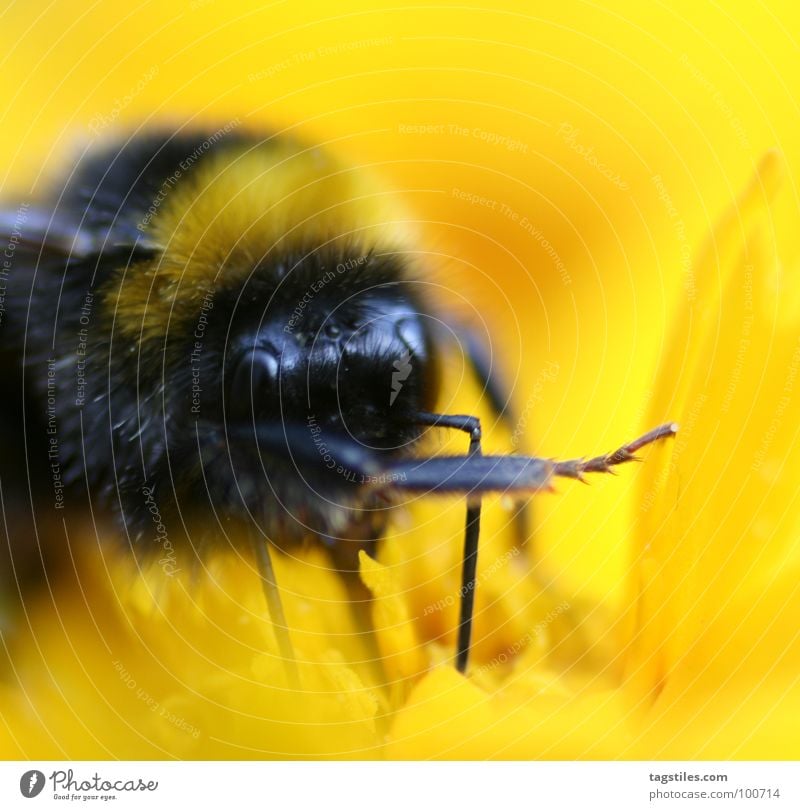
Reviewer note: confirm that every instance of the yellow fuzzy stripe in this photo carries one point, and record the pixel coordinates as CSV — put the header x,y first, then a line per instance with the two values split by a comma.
x,y
231,211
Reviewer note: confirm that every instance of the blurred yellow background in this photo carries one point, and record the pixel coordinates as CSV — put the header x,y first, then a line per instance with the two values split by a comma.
x,y
559,115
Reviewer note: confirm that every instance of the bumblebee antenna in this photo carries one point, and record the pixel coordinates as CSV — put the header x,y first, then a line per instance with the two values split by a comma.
x,y
275,607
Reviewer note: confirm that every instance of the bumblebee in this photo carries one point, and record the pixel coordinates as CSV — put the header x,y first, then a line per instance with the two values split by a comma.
x,y
227,334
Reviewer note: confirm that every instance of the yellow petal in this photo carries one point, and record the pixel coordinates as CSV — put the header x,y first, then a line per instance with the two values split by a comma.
x,y
139,665
401,652
447,717
718,551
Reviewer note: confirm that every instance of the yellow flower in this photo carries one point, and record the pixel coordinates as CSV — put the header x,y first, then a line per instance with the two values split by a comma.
x,y
575,160
136,664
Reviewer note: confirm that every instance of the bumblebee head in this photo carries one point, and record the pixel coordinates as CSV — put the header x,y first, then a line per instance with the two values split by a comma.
x,y
339,340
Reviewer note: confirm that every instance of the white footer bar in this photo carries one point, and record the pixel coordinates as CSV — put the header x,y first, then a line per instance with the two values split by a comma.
x,y
402,785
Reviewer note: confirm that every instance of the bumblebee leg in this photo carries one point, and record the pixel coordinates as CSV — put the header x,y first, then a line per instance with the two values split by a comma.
x,y
275,606
472,475
472,530
499,397
519,476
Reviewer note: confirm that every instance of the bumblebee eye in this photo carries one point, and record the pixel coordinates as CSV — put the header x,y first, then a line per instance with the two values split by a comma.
x,y
254,384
